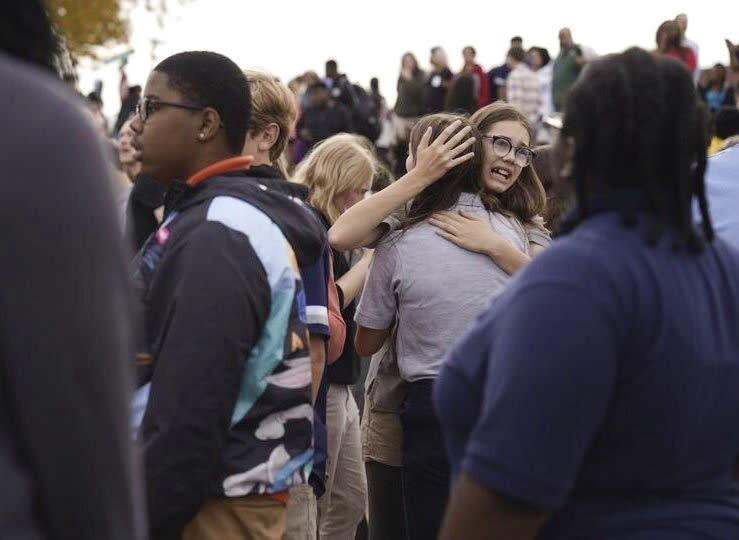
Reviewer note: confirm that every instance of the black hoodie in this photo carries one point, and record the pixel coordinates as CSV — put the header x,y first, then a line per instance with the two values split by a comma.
x,y
225,377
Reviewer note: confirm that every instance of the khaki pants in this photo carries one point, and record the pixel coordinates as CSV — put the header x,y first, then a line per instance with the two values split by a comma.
x,y
238,518
302,514
344,504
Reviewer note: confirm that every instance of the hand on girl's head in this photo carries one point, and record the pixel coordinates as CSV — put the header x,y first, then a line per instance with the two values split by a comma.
x,y
433,159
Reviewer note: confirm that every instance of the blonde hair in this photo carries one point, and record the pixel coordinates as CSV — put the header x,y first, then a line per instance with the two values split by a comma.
x,y
271,103
334,166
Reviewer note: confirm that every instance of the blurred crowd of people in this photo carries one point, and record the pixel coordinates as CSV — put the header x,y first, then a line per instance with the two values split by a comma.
x,y
505,308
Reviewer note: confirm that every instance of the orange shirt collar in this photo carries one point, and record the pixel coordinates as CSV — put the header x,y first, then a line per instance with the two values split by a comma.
x,y
240,163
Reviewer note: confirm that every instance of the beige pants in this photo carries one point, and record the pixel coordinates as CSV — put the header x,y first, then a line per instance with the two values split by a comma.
x,y
238,518
302,514
343,505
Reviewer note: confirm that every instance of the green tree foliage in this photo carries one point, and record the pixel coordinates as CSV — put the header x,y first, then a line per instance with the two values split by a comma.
x,y
87,24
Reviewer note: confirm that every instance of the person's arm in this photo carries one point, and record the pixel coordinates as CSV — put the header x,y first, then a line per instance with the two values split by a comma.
x,y
123,89
317,363
368,340
474,233
476,512
484,90
222,306
580,59
335,320
733,54
359,226
66,365
376,311
351,282
315,284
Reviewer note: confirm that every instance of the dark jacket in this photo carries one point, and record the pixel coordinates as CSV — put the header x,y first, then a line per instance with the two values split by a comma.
x,y
226,360
67,467
324,122
346,369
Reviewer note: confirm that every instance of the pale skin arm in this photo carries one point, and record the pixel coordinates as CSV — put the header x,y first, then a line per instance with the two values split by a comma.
x,y
351,282
476,512
473,233
317,364
360,225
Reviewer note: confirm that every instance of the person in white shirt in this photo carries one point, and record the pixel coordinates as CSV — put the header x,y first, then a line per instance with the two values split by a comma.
x,y
541,63
523,86
682,20
722,192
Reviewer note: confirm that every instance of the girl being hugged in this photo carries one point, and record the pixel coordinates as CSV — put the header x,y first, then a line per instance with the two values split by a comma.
x,y
505,182
432,276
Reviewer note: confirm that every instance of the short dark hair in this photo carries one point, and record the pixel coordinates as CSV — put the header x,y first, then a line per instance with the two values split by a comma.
x,y
27,34
332,65
727,122
544,53
636,123
517,53
517,39
210,79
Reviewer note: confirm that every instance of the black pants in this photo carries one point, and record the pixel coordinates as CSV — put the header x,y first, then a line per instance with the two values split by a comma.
x,y
386,516
425,464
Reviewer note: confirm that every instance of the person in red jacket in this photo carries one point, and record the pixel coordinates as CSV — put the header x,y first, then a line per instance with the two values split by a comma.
x,y
481,80
669,43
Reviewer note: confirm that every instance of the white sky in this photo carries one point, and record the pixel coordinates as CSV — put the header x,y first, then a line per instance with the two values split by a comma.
x,y
368,38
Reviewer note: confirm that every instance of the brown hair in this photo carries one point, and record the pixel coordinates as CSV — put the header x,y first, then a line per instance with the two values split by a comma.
x,y
526,198
416,67
445,192
271,103
669,37
558,197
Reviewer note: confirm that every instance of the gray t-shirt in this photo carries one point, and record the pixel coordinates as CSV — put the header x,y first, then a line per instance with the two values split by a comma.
x,y
434,288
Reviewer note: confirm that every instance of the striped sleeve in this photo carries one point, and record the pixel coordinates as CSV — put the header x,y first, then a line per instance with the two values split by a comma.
x,y
315,279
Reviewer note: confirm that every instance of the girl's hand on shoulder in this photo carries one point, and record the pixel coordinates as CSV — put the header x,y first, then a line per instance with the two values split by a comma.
x,y
468,231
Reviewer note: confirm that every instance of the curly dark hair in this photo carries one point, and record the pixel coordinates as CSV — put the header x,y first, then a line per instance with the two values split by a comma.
x,y
636,124
27,34
210,79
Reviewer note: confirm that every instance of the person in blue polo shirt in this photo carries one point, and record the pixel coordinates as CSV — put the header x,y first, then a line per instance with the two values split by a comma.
x,y
597,397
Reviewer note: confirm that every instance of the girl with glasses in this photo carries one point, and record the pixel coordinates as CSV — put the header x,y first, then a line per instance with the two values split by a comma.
x,y
426,287
507,183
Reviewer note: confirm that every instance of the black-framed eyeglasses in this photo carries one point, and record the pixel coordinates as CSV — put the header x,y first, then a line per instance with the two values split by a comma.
x,y
502,146
146,106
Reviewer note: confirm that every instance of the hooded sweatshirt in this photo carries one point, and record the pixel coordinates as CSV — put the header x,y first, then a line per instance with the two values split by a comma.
x,y
224,378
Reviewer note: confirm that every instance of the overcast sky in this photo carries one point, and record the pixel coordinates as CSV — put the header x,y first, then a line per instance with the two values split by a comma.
x,y
290,36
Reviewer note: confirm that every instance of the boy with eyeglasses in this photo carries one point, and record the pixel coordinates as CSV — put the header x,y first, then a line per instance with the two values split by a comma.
x,y
224,376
